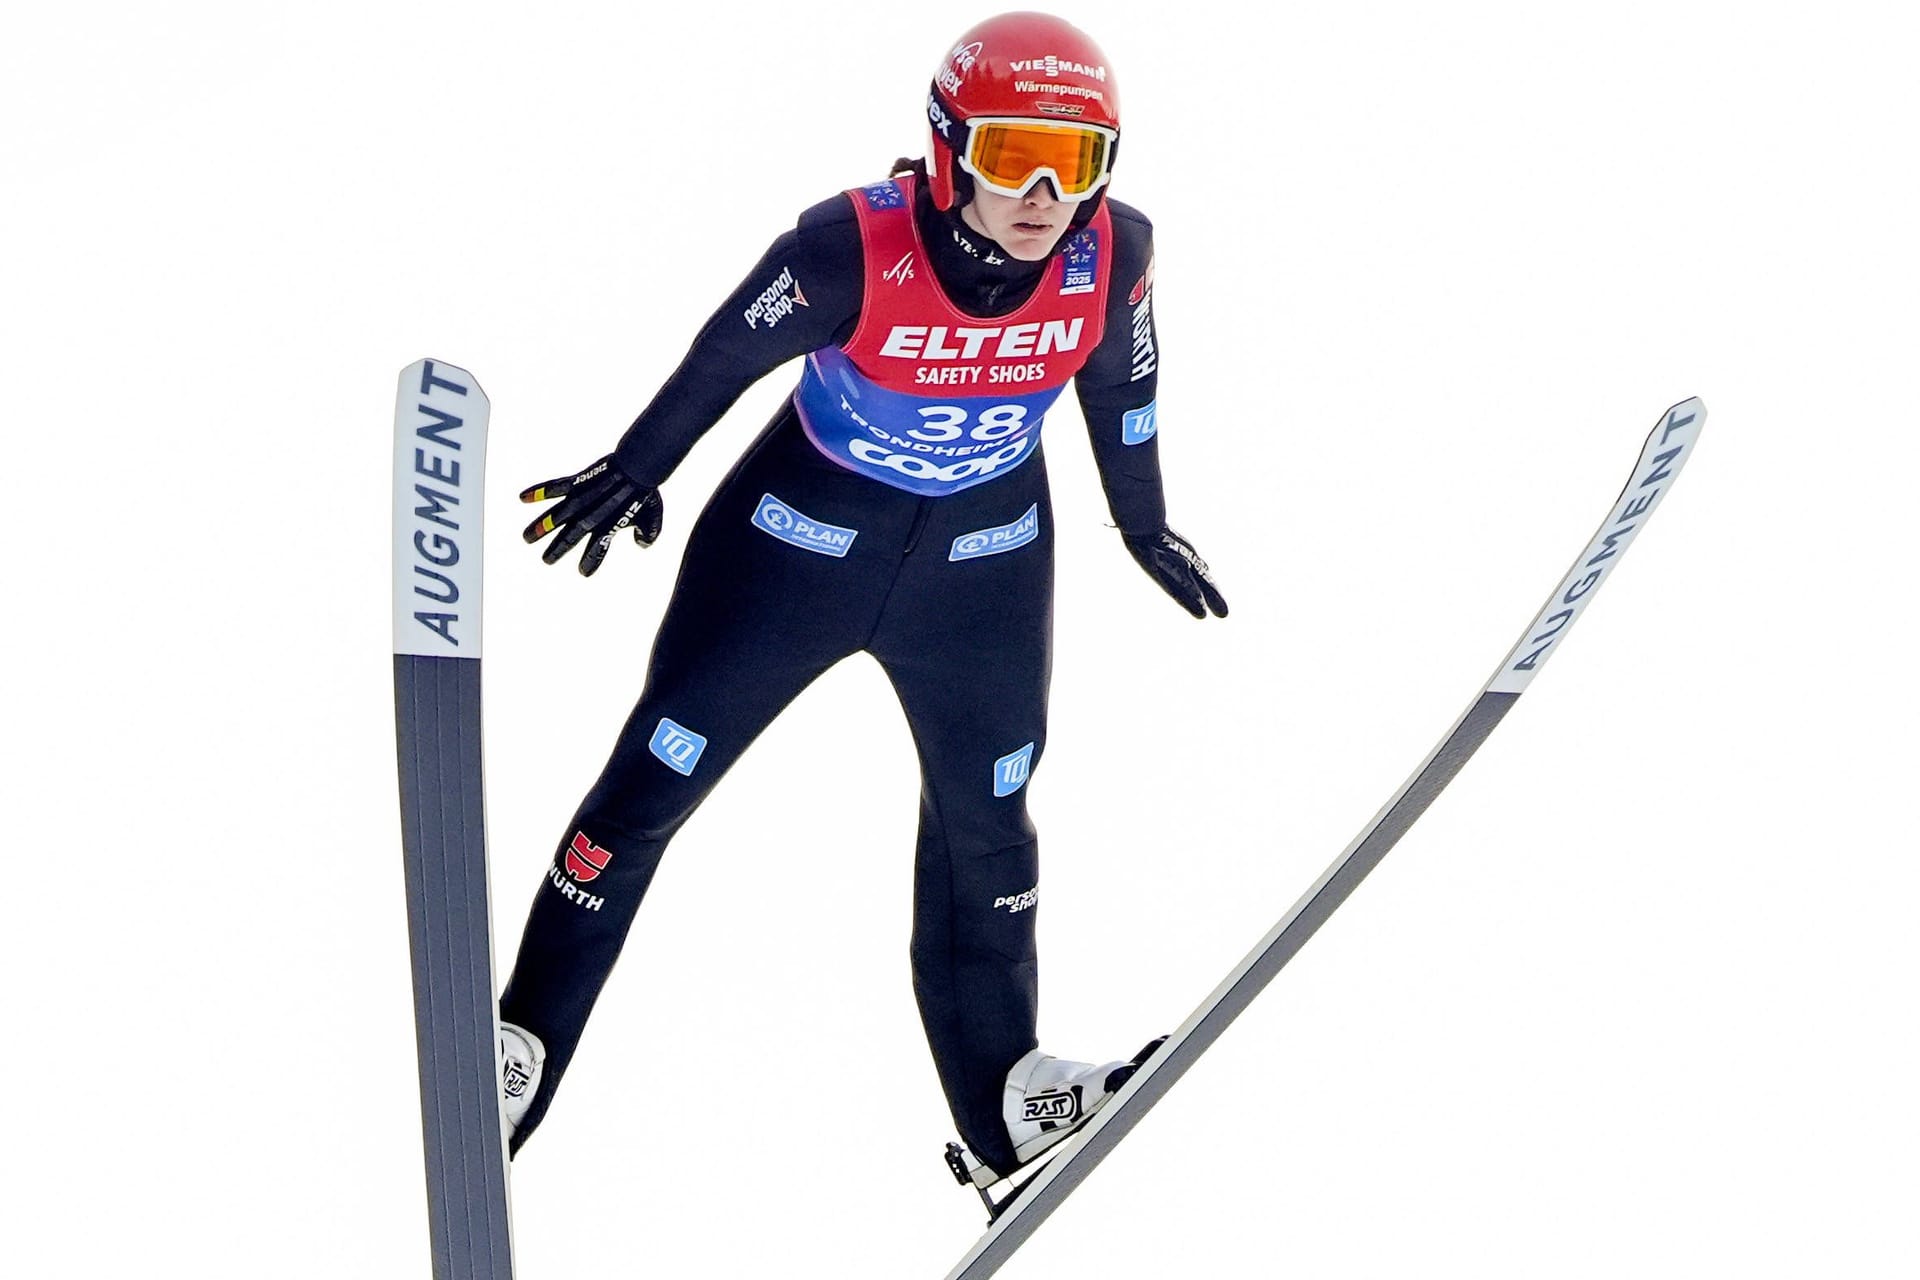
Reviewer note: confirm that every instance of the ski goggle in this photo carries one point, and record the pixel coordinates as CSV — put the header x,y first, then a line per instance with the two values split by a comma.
x,y
1008,156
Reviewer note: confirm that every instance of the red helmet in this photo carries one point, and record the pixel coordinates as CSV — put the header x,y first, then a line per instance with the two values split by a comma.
x,y
1022,97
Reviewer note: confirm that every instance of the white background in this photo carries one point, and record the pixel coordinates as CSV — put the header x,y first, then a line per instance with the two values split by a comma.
x,y
1636,997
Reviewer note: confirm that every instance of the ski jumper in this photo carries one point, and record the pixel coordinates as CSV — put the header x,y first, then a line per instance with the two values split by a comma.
x,y
898,506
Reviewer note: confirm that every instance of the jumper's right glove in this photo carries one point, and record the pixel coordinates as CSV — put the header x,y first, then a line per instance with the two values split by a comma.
x,y
1171,561
600,501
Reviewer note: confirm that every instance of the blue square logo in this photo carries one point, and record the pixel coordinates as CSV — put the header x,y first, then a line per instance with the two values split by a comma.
x,y
1010,772
677,746
1137,426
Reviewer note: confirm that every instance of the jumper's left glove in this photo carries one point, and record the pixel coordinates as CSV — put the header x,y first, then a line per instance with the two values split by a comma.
x,y
600,501
1172,562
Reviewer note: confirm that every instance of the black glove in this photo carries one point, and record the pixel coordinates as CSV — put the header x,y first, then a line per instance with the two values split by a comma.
x,y
1173,563
601,501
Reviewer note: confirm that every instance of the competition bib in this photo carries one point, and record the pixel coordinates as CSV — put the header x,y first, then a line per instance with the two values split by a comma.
x,y
928,399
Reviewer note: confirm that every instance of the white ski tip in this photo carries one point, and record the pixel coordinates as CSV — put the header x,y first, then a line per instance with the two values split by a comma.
x,y
1668,447
439,479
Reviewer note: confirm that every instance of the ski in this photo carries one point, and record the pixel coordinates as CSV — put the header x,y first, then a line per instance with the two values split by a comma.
x,y
1016,1216
439,473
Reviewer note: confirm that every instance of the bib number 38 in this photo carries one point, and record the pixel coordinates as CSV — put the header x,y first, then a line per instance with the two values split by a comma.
x,y
947,422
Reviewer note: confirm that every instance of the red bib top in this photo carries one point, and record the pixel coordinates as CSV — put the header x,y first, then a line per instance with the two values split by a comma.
x,y
927,398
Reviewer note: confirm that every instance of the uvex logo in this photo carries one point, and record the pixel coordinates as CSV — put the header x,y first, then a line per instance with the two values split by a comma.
x,y
585,859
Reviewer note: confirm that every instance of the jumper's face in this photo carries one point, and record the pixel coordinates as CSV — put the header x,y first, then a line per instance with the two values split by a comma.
x,y
1025,226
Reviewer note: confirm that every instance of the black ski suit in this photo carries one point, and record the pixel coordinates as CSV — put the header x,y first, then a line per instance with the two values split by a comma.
x,y
754,618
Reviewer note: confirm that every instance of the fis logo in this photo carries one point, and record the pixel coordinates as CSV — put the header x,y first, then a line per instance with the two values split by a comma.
x,y
1061,1107
585,859
1019,902
1010,771
991,542
1137,426
901,271
783,522
677,746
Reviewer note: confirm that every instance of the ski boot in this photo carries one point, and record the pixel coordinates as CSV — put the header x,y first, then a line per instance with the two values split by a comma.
x,y
521,1057
1047,1100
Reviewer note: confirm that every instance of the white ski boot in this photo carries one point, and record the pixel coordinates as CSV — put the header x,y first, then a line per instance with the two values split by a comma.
x,y
1048,1098
521,1058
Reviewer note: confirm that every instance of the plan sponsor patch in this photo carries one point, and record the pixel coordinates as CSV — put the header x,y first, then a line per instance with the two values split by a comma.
x,y
1005,537
677,746
1137,426
1082,260
783,522
1010,772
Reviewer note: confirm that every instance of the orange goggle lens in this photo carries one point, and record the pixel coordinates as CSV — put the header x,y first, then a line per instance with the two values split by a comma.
x,y
1007,155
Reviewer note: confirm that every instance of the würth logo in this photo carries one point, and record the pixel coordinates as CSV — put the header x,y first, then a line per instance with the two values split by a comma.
x,y
586,860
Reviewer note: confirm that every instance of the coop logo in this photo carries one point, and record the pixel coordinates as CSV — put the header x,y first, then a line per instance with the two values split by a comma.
x,y
1052,65
991,542
783,522
776,302
901,271
1137,426
920,469
1010,772
1062,1107
1019,902
677,746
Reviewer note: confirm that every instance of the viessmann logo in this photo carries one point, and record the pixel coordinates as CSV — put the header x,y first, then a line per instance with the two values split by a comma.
x,y
1053,65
